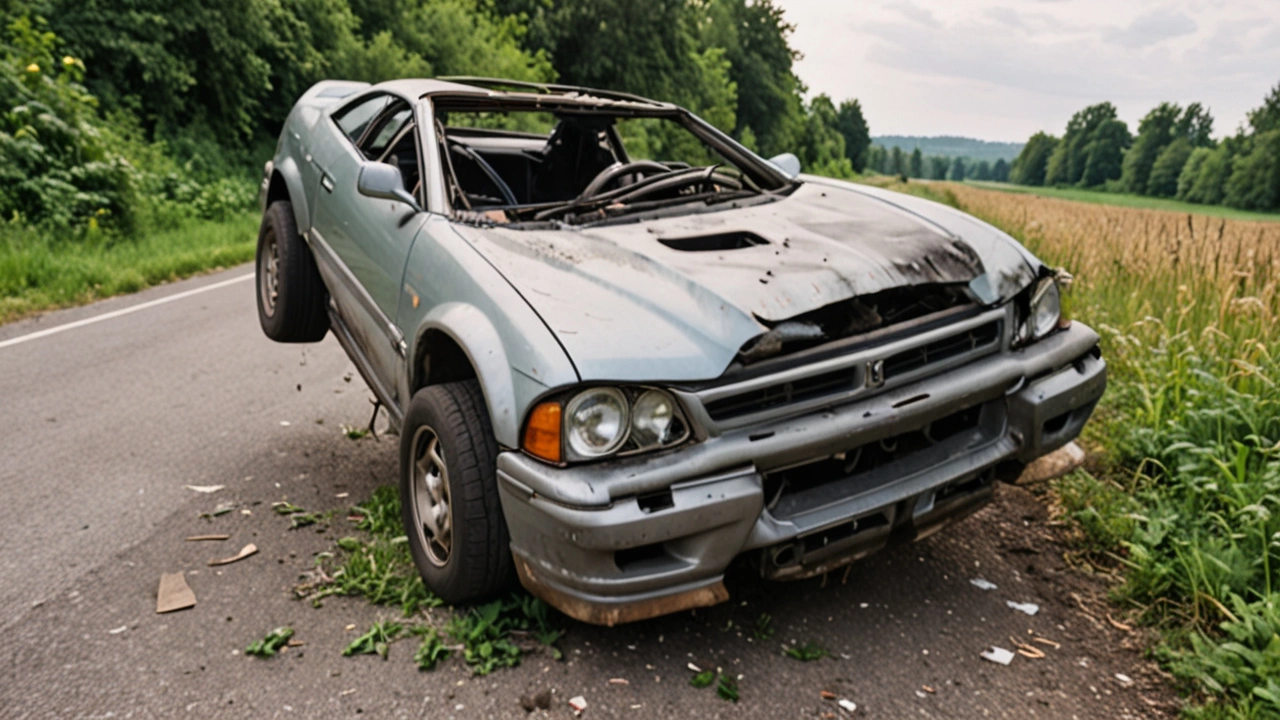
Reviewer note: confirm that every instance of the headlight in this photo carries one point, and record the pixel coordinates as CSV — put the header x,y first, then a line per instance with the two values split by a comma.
x,y
596,422
653,419
1046,309
599,422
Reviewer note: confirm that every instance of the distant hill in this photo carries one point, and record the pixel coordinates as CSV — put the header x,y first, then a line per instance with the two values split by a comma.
x,y
952,146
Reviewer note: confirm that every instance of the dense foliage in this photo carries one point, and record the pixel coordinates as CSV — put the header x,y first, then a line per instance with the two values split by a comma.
x,y
1173,155
131,115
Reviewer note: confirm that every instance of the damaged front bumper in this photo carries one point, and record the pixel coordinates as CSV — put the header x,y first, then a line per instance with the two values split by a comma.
x,y
631,539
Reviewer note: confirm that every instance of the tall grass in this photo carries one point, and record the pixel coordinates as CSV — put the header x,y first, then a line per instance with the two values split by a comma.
x,y
1187,499
39,271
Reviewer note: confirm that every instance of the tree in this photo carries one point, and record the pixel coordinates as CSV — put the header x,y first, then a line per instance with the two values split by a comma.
x,y
1030,165
1104,153
1255,175
1163,181
1208,184
1267,117
1196,125
1000,171
821,146
958,169
1067,163
982,171
875,159
1155,132
915,165
897,163
938,167
857,137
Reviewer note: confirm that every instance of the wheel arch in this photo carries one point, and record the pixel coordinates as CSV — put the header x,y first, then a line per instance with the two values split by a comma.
x,y
456,341
286,184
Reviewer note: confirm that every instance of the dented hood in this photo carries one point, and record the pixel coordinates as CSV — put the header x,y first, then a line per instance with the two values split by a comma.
x,y
676,298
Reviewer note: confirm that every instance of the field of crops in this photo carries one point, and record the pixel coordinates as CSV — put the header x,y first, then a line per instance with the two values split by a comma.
x,y
1184,491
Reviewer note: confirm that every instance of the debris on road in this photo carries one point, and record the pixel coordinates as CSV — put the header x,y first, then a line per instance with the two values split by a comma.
x,y
807,652
998,655
205,488
245,552
286,508
221,508
1047,641
929,689
1119,625
376,641
703,679
117,631
1028,608
694,668
618,681
174,593
274,643
728,688
848,706
577,703
982,584
1054,465
827,695
205,538
1028,651
1125,680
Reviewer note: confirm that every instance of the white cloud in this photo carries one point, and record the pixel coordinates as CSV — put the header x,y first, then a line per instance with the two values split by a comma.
x,y
1003,69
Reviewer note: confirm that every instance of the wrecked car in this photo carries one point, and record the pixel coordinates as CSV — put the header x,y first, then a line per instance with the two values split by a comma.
x,y
622,351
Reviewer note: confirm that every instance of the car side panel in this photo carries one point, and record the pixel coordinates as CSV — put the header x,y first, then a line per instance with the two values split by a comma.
x,y
449,287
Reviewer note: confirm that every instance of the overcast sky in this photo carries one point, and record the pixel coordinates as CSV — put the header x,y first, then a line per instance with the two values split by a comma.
x,y
1003,69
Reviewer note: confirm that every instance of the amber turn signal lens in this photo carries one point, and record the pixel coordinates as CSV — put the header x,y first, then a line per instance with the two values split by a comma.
x,y
542,433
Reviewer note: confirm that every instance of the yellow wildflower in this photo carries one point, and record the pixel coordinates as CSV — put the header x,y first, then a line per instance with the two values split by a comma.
x,y
68,60
33,68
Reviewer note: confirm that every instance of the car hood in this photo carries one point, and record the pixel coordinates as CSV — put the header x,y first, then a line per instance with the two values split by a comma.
x,y
674,299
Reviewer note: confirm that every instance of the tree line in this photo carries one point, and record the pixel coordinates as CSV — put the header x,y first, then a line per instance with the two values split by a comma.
x,y
894,161
1173,155
123,115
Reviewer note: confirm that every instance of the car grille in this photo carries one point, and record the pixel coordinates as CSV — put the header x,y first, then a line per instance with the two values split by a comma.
x,y
844,377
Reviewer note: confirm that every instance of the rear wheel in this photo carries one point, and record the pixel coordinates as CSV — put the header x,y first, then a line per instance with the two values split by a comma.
x,y
449,493
291,295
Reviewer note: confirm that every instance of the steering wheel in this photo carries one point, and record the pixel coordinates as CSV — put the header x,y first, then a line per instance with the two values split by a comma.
x,y
617,170
679,179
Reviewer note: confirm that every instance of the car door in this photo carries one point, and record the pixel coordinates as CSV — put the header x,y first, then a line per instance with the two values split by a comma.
x,y
368,239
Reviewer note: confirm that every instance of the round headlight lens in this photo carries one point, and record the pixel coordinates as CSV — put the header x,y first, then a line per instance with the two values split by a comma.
x,y
1046,308
653,418
596,422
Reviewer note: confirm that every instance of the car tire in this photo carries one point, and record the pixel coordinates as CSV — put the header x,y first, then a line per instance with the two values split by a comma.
x,y
291,295
448,454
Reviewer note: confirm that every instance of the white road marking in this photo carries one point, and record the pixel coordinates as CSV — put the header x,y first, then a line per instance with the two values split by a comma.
x,y
122,311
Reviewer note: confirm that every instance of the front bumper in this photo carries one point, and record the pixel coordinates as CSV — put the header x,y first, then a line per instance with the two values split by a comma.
x,y
630,539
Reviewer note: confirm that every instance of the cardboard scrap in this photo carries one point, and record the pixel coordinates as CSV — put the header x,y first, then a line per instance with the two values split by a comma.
x,y
174,593
245,552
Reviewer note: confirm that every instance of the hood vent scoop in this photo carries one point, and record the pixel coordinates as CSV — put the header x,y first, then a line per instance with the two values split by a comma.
x,y
722,241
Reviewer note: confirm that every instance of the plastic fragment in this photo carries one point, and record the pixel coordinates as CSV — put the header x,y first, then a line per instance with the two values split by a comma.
x,y
577,704
998,655
1124,679
848,706
983,584
245,552
1028,608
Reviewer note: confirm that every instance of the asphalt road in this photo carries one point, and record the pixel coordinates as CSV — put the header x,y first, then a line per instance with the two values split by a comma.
x,y
105,423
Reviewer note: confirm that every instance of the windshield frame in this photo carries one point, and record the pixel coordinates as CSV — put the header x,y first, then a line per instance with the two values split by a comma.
x,y
765,175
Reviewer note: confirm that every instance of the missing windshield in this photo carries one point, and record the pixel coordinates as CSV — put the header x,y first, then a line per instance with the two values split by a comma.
x,y
580,163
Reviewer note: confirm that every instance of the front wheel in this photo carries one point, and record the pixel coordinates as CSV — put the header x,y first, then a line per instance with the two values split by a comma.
x,y
449,493
291,295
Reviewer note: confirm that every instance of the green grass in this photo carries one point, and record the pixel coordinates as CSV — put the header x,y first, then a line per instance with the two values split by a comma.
x,y
40,273
1126,200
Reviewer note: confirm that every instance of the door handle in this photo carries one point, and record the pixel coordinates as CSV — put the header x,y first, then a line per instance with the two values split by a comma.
x,y
326,182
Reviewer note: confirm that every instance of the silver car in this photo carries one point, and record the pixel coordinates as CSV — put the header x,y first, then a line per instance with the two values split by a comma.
x,y
623,351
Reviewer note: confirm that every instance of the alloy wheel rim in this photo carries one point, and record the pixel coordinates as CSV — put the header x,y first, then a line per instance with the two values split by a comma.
x,y
432,510
269,274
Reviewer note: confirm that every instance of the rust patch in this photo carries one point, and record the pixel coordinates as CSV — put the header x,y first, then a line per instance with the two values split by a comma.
x,y
616,614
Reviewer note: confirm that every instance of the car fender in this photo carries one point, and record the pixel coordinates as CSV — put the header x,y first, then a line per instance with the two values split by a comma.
x,y
471,329
287,168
